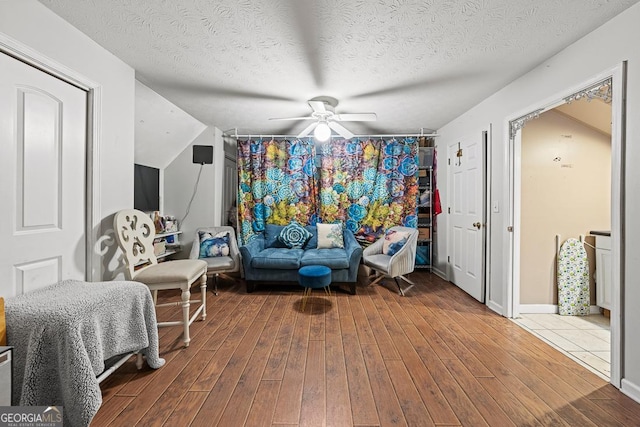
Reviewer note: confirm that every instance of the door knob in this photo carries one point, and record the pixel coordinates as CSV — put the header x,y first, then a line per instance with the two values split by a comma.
x,y
477,225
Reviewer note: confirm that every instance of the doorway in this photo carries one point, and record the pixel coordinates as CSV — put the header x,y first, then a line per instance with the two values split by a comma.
x,y
610,85
566,193
230,187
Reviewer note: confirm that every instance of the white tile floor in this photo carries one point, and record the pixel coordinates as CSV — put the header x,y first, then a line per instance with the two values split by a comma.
x,y
586,339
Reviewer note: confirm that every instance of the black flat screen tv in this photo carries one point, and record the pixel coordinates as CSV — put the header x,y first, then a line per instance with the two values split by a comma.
x,y
146,188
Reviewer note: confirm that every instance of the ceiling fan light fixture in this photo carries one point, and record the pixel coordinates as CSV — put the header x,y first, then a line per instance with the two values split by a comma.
x,y
322,132
325,120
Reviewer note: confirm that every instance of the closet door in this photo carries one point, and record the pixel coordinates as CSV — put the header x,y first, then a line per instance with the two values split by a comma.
x,y
42,178
467,217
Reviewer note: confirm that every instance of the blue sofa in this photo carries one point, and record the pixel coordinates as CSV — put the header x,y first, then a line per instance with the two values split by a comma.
x,y
266,259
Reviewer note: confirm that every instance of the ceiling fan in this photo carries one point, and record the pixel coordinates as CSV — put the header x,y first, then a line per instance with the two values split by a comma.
x,y
325,119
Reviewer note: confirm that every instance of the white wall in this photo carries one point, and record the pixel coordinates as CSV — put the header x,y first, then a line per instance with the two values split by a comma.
x,y
162,129
179,181
33,25
590,56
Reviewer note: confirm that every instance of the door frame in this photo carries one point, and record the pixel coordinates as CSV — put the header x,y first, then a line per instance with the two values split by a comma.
x,y
93,229
486,133
513,126
234,188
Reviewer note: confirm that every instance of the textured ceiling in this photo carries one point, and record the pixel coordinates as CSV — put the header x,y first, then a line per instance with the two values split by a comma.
x,y
416,63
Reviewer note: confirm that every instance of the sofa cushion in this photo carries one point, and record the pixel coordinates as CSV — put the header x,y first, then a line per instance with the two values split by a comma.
x,y
333,258
220,262
278,258
271,233
312,243
294,236
378,261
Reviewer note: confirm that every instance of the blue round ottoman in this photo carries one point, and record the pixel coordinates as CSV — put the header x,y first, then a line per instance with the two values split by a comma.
x,y
314,277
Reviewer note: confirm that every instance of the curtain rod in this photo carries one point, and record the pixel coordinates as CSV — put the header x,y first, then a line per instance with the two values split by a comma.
x,y
267,135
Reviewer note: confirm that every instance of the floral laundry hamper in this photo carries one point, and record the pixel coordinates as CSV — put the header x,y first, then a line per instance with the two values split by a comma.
x,y
573,279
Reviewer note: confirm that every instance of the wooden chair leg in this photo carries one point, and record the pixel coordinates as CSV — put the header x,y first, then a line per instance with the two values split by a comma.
x,y
215,284
139,361
186,296
203,289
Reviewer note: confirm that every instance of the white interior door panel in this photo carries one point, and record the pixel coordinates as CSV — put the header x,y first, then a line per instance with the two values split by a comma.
x,y
466,174
42,178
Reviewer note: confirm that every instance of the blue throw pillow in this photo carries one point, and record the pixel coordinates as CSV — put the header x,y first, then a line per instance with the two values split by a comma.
x,y
394,241
214,246
294,236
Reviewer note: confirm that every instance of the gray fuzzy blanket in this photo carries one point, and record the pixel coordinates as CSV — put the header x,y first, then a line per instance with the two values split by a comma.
x,y
63,334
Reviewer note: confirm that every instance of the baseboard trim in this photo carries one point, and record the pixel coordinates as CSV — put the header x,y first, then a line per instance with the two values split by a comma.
x,y
439,273
549,309
630,389
495,307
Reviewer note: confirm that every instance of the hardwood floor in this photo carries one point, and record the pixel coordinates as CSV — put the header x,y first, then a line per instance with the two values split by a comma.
x,y
433,357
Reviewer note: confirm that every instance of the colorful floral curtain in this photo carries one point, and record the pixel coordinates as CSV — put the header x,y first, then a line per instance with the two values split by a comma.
x,y
277,184
371,185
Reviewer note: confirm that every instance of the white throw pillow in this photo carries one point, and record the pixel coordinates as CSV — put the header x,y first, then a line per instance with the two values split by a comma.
x,y
330,236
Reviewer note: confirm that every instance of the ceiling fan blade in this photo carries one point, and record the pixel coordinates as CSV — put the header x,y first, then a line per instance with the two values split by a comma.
x,y
341,130
318,106
356,117
308,130
295,118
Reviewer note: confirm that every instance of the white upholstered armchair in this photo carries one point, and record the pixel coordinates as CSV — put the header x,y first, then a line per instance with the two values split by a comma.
x,y
226,260
393,255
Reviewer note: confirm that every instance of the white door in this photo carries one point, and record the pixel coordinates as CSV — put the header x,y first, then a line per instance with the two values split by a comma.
x,y
42,178
467,213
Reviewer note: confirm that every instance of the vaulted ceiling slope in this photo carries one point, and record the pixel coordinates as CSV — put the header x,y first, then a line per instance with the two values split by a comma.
x,y
416,63
162,130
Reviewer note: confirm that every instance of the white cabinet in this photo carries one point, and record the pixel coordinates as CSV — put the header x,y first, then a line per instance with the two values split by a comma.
x,y
603,272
